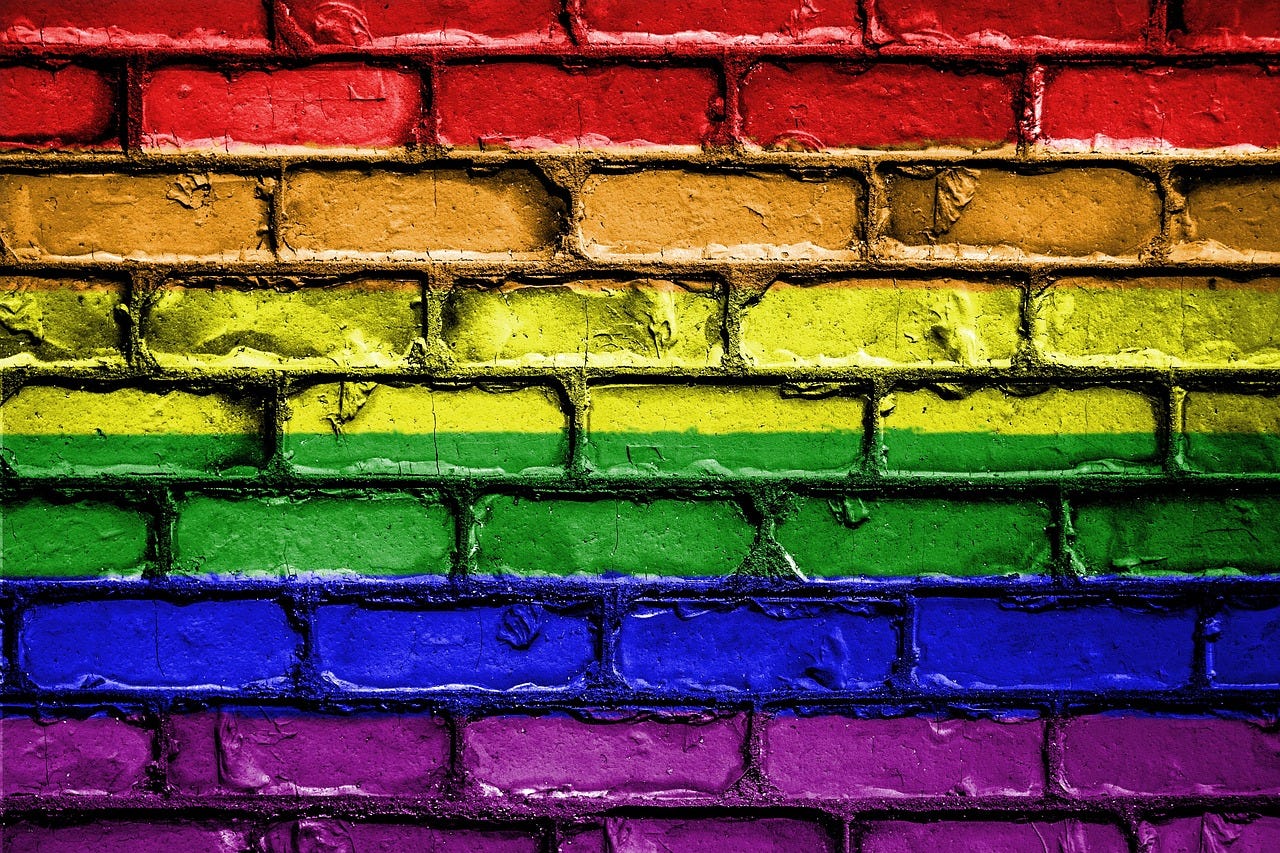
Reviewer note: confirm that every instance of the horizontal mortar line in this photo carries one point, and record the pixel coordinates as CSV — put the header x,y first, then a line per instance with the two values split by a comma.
x,y
853,160
512,811
888,593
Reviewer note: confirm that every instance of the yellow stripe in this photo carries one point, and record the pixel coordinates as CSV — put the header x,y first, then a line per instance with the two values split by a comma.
x,y
1244,414
356,407
717,410
49,410
1055,412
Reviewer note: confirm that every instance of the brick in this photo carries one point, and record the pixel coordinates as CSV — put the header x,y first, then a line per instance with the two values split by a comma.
x,y
1003,26
585,323
841,758
87,24
841,323
707,646
1231,432
333,104
437,214
539,105
63,322
1122,754
191,216
280,324
127,837
995,214
1213,833
1243,650
808,105
490,648
991,836
630,759
85,539
272,752
396,24
991,430
610,537
1103,108
712,835
903,537
1231,217
966,644
51,430
1175,535
366,428
56,107
720,430
140,643
677,215
383,534
1159,322
1230,24
768,21
97,755
313,834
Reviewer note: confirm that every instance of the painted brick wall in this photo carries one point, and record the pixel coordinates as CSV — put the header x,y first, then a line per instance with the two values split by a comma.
x,y
621,425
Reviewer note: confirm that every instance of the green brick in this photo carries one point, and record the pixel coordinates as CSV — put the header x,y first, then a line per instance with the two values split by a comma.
x,y
906,537
376,535
609,536
46,540
1152,536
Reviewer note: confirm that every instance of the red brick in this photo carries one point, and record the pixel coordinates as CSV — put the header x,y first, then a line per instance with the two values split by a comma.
x,y
1131,108
640,21
628,759
390,24
55,106
1245,24
341,104
1115,755
836,757
173,24
1212,833
531,105
1001,24
813,104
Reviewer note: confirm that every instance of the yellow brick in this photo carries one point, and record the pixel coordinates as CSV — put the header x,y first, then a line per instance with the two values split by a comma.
x,y
63,322
1231,218
993,213
687,215
585,323
883,322
1159,322
194,216
366,323
1241,414
418,215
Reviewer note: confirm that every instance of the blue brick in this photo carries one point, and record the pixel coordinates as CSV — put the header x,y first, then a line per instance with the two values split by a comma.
x,y
140,643
761,647
1247,649
491,648
981,643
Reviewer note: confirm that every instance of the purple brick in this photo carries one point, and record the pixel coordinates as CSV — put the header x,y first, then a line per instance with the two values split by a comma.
x,y
838,757
711,835
259,752
1107,755
1212,833
991,837
98,755
559,755
133,837
315,836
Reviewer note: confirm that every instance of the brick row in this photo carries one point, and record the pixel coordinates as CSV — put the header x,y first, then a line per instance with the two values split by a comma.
x,y
677,650
796,105
642,756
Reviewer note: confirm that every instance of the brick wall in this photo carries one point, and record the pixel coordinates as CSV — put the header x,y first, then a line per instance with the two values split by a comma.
x,y
624,426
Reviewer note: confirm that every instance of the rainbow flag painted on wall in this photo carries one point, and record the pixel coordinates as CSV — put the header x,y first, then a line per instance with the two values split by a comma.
x,y
616,426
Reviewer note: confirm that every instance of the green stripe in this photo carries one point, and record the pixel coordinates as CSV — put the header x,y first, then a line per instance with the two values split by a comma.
x,y
45,540
692,452
1233,453
444,453
911,450
170,454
